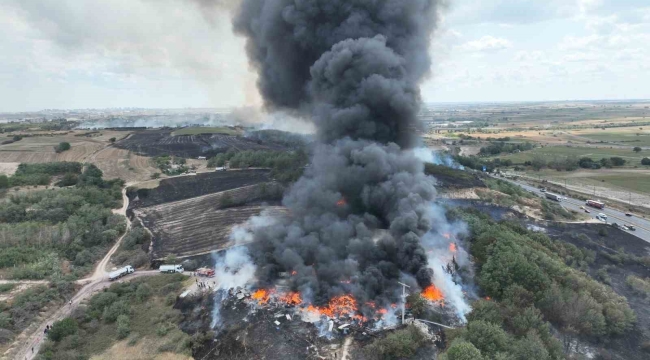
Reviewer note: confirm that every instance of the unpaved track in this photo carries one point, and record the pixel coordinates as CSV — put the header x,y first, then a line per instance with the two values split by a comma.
x,y
31,343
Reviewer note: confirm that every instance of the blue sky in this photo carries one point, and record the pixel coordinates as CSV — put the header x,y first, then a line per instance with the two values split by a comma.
x,y
134,53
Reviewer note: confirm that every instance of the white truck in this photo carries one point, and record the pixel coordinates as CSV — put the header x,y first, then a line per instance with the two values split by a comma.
x,y
171,269
120,272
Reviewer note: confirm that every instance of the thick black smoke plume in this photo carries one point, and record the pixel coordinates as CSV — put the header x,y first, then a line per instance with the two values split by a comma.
x,y
360,210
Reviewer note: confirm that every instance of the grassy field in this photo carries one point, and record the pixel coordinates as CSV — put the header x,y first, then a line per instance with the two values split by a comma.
x,y
153,334
625,138
207,130
552,152
637,183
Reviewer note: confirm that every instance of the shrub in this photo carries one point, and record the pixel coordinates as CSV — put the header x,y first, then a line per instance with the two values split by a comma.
x,y
397,345
143,292
639,285
602,232
461,350
63,146
63,328
123,326
645,161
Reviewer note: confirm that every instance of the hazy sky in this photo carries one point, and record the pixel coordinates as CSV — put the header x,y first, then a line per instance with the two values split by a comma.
x,y
182,53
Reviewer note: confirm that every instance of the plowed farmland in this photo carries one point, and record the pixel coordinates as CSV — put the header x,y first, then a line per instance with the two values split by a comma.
x,y
202,224
162,142
186,187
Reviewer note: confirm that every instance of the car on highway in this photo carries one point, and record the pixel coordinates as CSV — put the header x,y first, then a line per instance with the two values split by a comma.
x,y
629,227
628,214
542,190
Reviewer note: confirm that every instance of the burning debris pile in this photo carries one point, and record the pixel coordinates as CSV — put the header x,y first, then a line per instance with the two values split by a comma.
x,y
362,216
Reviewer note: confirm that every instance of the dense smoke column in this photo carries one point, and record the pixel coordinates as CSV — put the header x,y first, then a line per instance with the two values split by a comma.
x,y
361,208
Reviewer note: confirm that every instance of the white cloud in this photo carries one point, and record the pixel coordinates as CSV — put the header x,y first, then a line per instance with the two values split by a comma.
x,y
487,44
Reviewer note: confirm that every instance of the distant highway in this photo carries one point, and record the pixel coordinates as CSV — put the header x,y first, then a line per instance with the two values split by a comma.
x,y
613,216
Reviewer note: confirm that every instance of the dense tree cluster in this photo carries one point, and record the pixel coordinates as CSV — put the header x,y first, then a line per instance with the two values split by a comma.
x,y
532,281
502,146
286,166
41,174
38,230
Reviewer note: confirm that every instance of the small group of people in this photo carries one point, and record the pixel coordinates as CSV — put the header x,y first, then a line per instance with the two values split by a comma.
x,y
47,329
205,285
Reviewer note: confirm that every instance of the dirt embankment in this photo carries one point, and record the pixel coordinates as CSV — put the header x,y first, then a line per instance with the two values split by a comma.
x,y
186,187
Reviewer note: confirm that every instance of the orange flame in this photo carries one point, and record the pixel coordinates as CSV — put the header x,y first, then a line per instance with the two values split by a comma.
x,y
488,298
292,298
294,273
262,296
432,293
452,247
341,202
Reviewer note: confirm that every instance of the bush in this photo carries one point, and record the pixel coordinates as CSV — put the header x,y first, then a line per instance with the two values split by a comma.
x,y
63,328
602,232
639,285
123,326
63,146
645,161
143,292
461,350
397,345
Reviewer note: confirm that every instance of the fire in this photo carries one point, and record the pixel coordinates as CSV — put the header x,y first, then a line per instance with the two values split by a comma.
x,y
341,202
292,298
488,298
432,293
452,247
262,296
294,273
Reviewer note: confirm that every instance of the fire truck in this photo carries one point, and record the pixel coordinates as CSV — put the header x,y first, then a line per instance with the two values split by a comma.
x,y
596,204
205,272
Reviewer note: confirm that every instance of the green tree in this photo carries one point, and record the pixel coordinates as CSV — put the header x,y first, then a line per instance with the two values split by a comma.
x,y
63,328
417,304
637,149
112,140
4,182
645,161
462,350
171,259
488,338
530,347
63,146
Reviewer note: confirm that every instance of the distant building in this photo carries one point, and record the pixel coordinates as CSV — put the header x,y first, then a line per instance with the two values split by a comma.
x,y
202,158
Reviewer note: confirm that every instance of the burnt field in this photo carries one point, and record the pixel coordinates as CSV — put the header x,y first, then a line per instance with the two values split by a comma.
x,y
162,142
185,187
617,256
203,224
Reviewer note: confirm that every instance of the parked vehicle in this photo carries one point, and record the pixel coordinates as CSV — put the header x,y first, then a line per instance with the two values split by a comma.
x,y
170,269
542,189
602,216
628,214
120,272
630,227
205,272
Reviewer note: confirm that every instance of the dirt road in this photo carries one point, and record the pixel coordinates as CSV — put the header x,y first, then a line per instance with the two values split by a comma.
x,y
31,339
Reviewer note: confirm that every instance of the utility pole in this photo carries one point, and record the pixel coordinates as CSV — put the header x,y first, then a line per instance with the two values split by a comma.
x,y
404,286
